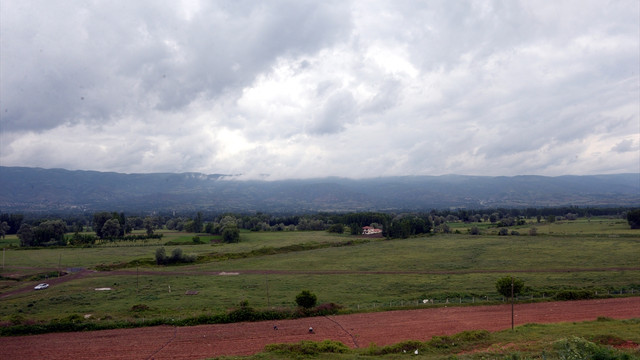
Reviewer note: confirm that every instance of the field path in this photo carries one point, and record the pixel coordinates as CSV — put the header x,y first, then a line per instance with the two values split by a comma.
x,y
357,330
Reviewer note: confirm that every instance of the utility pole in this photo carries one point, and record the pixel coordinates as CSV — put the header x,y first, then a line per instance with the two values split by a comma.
x,y
266,279
512,318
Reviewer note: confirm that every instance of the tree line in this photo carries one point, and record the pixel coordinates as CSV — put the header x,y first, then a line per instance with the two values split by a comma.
x,y
116,226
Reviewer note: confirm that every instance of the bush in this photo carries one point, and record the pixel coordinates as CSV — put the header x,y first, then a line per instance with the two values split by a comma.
x,y
474,230
503,231
139,308
307,347
574,295
176,257
579,348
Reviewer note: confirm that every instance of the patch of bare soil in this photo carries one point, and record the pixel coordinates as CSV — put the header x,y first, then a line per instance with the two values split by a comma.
x,y
357,330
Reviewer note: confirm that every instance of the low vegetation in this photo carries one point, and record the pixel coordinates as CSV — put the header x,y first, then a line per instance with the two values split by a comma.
x,y
588,340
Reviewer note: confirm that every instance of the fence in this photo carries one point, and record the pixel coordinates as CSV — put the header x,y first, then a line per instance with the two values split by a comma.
x,y
495,298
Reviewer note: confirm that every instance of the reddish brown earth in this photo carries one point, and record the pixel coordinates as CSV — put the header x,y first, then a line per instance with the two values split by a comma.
x,y
358,330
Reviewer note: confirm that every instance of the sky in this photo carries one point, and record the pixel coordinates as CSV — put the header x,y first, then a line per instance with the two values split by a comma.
x,y
305,89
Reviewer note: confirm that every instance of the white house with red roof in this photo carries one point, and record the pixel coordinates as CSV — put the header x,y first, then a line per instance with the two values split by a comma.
x,y
368,230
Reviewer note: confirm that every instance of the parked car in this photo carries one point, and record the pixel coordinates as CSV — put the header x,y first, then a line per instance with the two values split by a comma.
x,y
41,286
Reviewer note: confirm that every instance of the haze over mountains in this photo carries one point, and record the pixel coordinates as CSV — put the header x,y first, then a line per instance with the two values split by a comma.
x,y
57,190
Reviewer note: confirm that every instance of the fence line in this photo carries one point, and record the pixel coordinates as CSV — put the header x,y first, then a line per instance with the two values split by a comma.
x,y
487,299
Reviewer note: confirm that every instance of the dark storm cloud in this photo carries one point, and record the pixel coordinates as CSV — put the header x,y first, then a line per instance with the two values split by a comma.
x,y
65,62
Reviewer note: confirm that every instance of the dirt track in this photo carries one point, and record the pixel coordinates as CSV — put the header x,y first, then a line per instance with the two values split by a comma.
x,y
358,330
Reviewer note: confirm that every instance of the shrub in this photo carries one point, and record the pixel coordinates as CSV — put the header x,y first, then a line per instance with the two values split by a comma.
x,y
474,230
176,257
327,309
574,295
400,348
306,347
579,348
503,231
139,308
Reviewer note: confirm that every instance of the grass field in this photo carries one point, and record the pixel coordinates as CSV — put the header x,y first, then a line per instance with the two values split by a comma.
x,y
572,255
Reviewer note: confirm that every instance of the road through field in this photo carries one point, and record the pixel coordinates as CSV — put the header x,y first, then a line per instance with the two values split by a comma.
x,y
356,330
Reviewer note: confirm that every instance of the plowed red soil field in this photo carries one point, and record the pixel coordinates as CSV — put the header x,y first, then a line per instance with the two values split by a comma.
x,y
358,330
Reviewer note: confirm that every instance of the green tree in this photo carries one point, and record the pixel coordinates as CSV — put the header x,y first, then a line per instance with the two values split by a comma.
x,y
197,223
26,235
633,218
4,227
50,231
231,234
98,222
336,228
149,224
111,229
355,229
504,286
161,256
306,299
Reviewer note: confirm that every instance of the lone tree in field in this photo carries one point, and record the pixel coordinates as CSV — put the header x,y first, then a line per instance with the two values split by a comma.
x,y
306,299
503,285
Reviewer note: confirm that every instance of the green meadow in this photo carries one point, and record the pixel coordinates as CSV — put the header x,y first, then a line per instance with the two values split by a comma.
x,y
268,269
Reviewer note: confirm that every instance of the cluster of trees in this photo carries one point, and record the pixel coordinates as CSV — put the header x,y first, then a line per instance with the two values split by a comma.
x,y
46,233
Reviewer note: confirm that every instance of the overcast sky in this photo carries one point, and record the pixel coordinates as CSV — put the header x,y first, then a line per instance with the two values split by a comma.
x,y
299,89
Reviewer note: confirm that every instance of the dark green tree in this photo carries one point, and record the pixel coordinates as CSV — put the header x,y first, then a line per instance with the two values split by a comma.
x,y
149,225
355,229
4,227
231,234
336,228
306,299
633,218
98,222
503,285
25,234
161,256
111,229
50,231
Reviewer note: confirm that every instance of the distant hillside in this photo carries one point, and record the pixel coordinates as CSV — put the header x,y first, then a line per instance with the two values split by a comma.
x,y
52,190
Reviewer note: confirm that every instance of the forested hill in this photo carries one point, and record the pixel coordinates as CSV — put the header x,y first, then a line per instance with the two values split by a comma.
x,y
54,190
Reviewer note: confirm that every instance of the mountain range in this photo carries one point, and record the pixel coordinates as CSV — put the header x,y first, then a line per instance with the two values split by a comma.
x,y
24,189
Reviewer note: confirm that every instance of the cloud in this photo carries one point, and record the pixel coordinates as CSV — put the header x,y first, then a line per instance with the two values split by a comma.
x,y
306,88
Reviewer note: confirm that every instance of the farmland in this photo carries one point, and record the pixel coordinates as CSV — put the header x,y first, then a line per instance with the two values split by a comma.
x,y
599,255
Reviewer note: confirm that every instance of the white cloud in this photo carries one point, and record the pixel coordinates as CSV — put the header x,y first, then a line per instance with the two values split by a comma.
x,y
305,89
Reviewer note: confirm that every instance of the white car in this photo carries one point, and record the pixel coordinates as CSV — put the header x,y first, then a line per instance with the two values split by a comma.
x,y
41,286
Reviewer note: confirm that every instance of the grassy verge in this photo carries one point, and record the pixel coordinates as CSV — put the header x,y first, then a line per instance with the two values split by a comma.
x,y
601,339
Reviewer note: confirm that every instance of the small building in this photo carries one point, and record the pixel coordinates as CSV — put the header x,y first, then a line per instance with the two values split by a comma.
x,y
368,230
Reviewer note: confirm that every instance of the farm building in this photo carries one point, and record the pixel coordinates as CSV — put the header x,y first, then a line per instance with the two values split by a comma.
x,y
368,230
